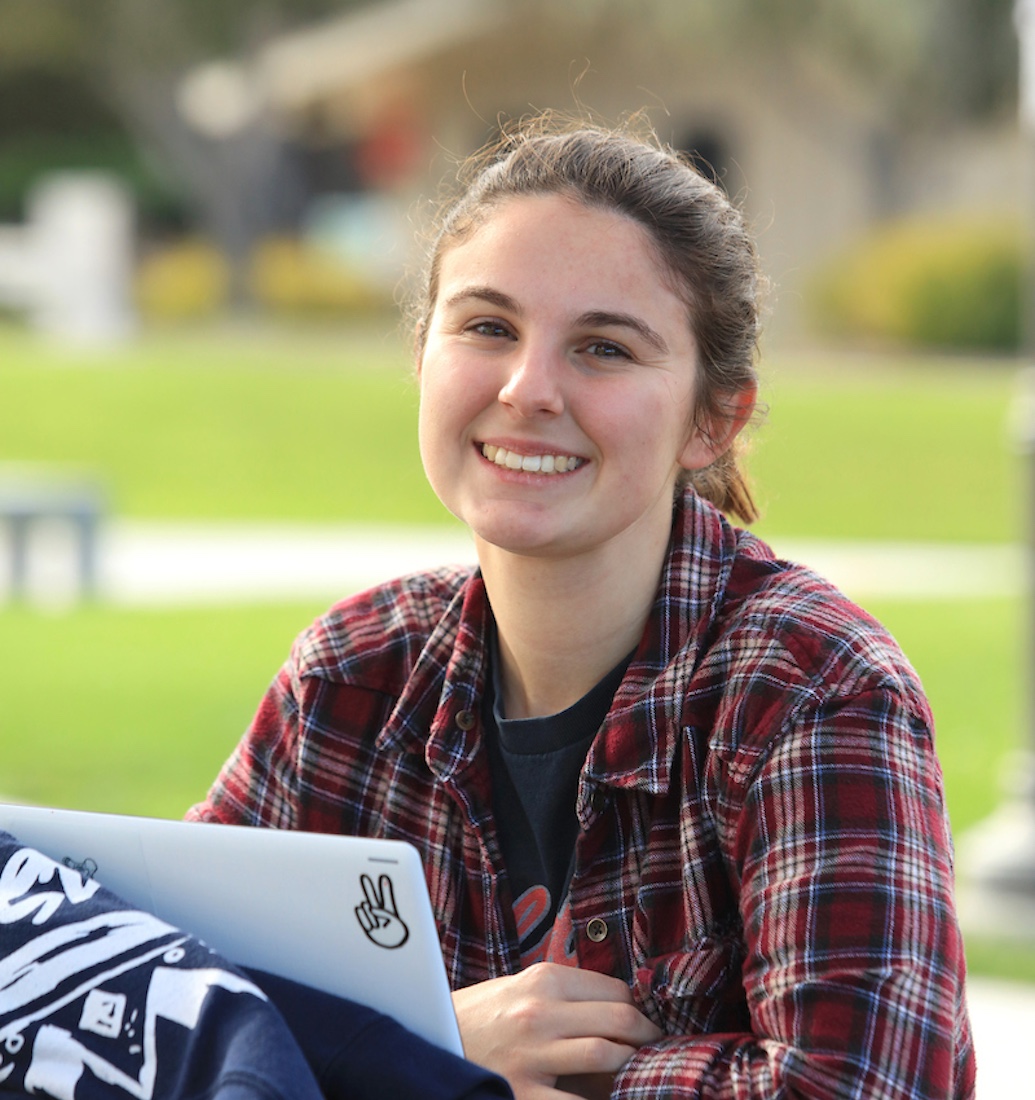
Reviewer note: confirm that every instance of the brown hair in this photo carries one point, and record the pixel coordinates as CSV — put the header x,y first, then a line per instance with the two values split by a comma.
x,y
698,233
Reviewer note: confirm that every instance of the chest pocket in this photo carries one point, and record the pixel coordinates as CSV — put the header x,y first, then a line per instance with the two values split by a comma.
x,y
696,991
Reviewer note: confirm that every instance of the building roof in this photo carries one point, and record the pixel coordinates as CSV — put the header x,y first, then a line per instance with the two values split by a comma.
x,y
300,68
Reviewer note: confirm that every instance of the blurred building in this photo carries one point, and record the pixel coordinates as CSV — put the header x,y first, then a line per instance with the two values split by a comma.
x,y
379,103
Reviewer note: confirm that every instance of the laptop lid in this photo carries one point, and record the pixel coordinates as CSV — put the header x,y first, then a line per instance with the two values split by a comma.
x,y
348,915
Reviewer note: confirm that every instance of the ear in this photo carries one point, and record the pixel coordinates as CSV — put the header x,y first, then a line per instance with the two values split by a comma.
x,y
714,436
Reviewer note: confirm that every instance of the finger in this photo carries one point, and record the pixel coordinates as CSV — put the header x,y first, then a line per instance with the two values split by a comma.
x,y
363,915
532,1028
581,1058
388,895
612,1010
592,1056
570,983
369,892
618,1023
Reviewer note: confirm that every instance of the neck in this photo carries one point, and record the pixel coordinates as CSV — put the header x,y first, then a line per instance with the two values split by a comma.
x,y
564,624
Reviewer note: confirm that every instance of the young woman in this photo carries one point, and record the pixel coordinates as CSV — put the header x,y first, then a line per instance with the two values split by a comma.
x,y
678,801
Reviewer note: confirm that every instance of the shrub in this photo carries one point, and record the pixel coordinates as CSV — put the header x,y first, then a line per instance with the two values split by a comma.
x,y
185,281
293,278
191,280
933,283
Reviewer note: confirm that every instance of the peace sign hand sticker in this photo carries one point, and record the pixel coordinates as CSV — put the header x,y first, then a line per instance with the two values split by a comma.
x,y
378,916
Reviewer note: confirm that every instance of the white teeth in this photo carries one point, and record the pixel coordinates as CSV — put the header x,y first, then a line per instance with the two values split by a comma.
x,y
533,464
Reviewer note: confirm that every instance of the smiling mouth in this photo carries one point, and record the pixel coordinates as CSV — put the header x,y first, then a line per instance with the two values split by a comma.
x,y
531,464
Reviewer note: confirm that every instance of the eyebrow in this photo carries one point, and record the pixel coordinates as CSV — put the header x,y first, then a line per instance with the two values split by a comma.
x,y
484,294
605,317
591,319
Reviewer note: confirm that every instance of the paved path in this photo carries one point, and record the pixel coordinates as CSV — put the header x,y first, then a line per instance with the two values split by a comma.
x,y
175,563
1002,1015
156,564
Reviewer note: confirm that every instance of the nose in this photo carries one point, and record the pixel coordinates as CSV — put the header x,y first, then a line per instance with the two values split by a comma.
x,y
533,386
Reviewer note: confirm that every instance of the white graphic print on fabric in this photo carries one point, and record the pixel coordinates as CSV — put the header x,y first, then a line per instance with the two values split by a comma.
x,y
81,998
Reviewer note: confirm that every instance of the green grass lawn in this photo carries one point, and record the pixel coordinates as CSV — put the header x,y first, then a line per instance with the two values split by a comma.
x,y
970,656
226,425
291,425
134,711
885,449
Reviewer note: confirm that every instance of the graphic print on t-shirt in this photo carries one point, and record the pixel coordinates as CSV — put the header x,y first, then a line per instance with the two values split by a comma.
x,y
530,911
541,939
85,986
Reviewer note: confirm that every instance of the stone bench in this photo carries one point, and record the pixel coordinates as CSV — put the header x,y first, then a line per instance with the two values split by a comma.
x,y
31,494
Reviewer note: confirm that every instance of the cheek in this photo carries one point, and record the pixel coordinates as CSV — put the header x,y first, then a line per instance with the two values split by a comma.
x,y
427,412
433,454
657,422
430,426
455,387
442,418
678,413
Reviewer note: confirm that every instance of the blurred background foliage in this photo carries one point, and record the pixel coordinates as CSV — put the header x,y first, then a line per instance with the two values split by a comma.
x,y
190,280
927,282
99,83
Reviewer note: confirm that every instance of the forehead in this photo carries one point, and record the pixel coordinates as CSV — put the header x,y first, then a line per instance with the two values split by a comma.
x,y
556,244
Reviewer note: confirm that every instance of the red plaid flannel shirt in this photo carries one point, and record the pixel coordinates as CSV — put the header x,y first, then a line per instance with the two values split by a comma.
x,y
763,830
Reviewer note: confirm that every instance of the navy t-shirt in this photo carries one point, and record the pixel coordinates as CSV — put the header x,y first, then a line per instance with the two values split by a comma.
x,y
535,765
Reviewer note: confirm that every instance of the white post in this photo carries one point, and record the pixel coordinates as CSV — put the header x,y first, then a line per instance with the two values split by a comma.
x,y
1024,20
81,239
20,274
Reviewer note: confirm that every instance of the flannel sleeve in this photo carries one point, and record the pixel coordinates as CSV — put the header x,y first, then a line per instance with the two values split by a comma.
x,y
854,970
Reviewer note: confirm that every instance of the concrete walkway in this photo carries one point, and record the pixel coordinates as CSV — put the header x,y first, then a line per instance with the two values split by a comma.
x,y
1002,1015
166,564
160,563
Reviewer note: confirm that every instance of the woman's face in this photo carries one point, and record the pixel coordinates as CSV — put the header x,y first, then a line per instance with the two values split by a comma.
x,y
557,382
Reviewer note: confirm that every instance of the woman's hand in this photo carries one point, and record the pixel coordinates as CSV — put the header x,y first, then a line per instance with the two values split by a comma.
x,y
551,1022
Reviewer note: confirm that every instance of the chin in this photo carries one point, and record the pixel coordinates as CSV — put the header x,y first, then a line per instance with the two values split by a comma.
x,y
531,546
505,525
517,539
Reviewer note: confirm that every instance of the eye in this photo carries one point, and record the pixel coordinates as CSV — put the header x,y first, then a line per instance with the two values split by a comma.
x,y
491,328
607,350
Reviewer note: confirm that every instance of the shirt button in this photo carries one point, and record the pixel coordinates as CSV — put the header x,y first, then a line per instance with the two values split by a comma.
x,y
596,930
465,719
597,801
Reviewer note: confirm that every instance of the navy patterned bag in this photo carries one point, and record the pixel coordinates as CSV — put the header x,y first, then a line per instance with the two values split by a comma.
x,y
99,1000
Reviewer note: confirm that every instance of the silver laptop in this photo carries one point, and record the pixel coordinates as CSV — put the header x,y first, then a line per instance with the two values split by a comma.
x,y
348,915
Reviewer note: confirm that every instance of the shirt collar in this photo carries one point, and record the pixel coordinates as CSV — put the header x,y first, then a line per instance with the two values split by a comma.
x,y
446,683
644,725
